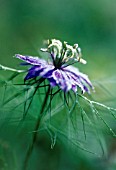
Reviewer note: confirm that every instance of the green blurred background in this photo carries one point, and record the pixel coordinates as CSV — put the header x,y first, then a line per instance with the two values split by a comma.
x,y
24,24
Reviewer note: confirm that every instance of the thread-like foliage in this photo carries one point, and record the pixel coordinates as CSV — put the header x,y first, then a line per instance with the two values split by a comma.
x,y
70,117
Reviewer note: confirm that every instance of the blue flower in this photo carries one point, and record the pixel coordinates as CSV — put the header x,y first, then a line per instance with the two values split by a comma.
x,y
58,69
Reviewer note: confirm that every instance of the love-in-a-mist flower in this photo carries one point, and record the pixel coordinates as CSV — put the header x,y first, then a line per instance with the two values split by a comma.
x,y
58,68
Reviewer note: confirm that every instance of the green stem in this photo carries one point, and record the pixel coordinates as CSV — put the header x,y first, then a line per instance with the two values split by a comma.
x,y
34,136
11,69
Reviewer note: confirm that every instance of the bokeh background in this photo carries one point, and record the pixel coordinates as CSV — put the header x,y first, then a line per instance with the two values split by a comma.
x,y
23,27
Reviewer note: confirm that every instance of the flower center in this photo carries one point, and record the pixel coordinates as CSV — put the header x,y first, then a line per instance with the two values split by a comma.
x,y
63,54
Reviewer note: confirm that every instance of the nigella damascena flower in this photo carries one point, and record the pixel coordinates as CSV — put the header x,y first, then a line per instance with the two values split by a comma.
x,y
58,69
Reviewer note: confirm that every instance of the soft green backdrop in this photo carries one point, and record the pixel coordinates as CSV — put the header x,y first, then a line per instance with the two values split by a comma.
x,y
24,24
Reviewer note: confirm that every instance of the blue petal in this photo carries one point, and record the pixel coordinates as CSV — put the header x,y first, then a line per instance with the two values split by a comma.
x,y
31,60
33,72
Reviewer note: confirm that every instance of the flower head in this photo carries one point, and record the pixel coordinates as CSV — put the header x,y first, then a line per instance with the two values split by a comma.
x,y
58,69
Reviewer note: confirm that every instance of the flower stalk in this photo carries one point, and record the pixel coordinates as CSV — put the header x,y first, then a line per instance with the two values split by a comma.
x,y
34,135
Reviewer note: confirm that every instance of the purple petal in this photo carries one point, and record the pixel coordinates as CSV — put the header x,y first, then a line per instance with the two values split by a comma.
x,y
68,83
48,74
52,82
75,82
31,60
74,88
33,72
58,78
78,78
62,80
85,78
47,71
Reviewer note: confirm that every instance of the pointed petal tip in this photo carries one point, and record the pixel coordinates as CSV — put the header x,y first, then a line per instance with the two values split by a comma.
x,y
18,56
83,61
